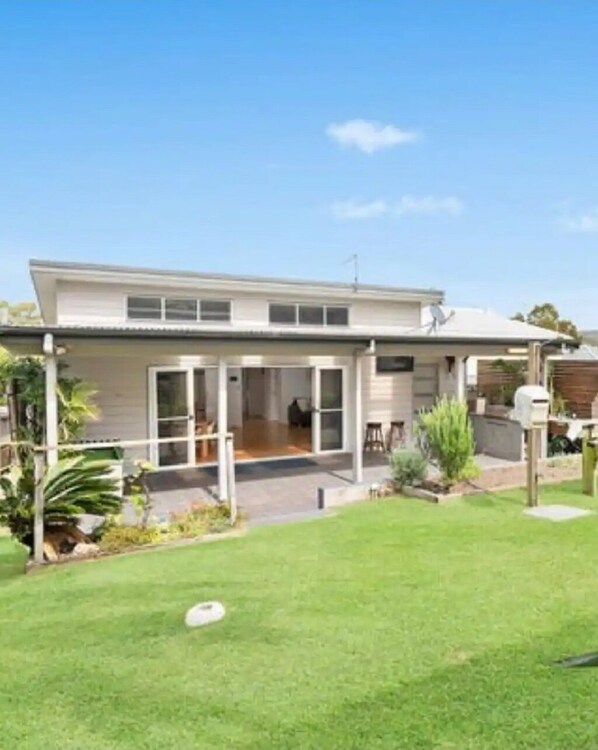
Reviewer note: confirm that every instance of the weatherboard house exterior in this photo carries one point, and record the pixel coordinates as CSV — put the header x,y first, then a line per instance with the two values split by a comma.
x,y
289,368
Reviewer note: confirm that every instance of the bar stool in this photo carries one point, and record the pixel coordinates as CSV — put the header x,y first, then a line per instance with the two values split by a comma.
x,y
396,434
373,437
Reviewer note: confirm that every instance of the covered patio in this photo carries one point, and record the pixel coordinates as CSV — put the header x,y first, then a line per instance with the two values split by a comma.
x,y
273,491
345,385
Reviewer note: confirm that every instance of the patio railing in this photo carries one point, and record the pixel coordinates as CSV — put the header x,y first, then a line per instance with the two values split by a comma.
x,y
41,453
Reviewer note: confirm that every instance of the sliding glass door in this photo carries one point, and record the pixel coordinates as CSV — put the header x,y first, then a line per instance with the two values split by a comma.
x,y
329,413
172,415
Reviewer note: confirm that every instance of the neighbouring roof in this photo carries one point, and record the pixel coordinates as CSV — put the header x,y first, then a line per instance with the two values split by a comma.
x,y
584,353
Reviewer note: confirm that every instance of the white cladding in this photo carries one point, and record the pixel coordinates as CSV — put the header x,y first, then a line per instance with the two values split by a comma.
x,y
123,393
80,303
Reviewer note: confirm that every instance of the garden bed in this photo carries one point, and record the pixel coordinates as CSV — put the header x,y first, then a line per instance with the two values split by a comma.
x,y
550,470
173,543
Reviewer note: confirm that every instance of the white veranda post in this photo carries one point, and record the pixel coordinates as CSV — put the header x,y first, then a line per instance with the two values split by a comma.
x,y
357,419
51,368
222,429
460,379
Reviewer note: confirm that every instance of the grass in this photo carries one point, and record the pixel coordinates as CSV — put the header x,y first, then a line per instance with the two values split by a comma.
x,y
13,557
396,624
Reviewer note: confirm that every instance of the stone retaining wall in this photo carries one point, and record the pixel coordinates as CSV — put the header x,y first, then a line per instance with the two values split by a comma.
x,y
557,469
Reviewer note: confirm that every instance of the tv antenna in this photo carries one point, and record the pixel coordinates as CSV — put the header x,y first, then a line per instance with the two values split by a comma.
x,y
355,260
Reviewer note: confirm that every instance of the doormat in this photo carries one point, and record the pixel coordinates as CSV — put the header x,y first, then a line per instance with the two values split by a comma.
x,y
557,512
259,468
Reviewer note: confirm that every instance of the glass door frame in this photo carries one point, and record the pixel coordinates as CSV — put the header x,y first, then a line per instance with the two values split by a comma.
x,y
154,419
317,408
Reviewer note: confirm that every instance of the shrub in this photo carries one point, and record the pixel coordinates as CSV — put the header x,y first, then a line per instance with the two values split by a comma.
x,y
120,538
140,496
71,487
199,519
446,437
408,467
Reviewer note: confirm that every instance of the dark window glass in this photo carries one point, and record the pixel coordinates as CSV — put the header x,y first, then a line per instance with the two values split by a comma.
x,y
283,314
180,309
214,310
144,308
337,316
394,364
311,315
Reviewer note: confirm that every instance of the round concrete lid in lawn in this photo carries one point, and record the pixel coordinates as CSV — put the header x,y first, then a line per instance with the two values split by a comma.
x,y
204,613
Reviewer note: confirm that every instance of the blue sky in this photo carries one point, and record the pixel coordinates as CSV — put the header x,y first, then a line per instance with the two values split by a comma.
x,y
449,143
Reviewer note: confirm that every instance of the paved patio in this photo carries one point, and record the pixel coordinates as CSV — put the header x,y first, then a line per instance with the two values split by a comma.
x,y
270,491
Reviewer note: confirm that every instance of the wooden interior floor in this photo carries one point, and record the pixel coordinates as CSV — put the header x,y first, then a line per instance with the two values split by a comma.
x,y
261,438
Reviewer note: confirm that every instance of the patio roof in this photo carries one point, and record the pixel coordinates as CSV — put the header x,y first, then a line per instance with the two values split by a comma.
x,y
462,326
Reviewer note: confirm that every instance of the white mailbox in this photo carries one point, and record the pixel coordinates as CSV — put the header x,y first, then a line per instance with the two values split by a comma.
x,y
532,404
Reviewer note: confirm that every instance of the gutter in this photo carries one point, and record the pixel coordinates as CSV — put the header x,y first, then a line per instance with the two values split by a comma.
x,y
36,333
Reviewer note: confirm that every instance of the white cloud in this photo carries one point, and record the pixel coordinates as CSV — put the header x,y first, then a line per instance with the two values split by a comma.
x,y
429,205
370,136
352,210
585,223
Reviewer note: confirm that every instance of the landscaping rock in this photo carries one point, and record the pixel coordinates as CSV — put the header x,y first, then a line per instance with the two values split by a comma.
x,y
204,613
85,549
50,553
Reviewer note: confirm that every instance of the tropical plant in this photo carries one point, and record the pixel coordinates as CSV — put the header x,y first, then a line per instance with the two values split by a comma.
x,y
408,467
23,379
446,437
71,487
516,372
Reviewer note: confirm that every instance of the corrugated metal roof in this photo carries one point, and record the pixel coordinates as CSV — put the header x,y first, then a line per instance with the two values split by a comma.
x,y
462,325
57,266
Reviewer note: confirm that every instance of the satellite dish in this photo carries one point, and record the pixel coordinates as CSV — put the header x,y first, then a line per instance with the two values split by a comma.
x,y
438,316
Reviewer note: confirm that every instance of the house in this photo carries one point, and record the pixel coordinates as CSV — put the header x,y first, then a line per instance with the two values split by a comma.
x,y
290,368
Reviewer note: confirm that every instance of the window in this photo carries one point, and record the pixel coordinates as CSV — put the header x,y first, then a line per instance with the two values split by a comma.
x,y
214,310
337,316
394,364
180,309
308,315
144,308
286,314
311,315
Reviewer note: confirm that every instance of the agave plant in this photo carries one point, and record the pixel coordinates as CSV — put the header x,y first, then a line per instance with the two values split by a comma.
x,y
71,487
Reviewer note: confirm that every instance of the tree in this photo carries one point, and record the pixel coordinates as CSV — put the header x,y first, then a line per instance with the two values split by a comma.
x,y
547,316
23,380
19,313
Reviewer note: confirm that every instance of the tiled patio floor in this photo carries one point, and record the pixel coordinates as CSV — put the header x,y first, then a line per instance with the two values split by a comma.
x,y
272,490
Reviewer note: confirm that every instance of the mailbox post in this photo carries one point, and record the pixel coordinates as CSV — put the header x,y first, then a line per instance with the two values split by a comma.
x,y
532,405
589,461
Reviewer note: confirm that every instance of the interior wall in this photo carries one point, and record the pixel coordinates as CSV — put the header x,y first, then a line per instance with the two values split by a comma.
x,y
294,383
211,384
235,397
270,391
199,388
254,384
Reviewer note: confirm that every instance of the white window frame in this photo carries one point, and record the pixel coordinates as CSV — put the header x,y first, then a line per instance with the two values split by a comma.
x,y
162,318
297,305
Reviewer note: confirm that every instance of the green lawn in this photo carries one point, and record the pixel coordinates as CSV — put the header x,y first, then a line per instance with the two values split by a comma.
x,y
396,624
